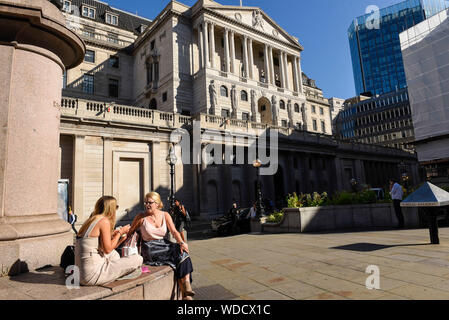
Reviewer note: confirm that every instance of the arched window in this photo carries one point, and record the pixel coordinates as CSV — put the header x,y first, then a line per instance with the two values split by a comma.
x,y
153,104
282,104
244,95
296,107
223,91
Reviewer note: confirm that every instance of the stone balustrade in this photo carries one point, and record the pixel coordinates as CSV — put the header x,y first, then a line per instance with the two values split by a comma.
x,y
102,111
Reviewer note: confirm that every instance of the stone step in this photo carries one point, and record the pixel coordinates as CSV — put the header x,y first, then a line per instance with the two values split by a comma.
x,y
50,284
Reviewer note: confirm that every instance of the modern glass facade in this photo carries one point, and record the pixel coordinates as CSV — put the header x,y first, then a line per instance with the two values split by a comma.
x,y
375,46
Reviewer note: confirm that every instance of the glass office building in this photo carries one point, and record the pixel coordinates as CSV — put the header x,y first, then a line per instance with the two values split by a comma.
x,y
375,47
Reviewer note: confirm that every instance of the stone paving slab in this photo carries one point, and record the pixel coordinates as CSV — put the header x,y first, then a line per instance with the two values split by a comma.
x,y
326,266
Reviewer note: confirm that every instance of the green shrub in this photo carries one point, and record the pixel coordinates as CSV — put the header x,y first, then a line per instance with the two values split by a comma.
x,y
292,200
343,198
276,217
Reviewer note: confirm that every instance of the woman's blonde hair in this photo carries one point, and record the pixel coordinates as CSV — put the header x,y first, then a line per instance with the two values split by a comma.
x,y
105,207
156,197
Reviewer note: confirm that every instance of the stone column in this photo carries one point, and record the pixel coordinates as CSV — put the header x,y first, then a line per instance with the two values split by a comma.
x,y
233,53
212,45
226,47
267,66
206,44
35,50
287,85
200,47
281,69
251,59
272,78
245,55
300,75
295,73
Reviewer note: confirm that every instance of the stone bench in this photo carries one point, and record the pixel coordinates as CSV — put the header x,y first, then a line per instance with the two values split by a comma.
x,y
49,284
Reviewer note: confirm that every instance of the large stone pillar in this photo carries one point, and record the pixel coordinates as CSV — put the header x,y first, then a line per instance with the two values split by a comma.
x,y
281,68
226,48
266,64
245,55
251,59
212,44
233,53
272,77
206,44
35,50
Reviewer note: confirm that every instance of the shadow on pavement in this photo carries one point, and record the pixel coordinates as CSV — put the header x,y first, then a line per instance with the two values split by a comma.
x,y
367,247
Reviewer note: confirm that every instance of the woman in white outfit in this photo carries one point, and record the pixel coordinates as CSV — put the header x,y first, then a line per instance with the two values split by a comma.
x,y
95,255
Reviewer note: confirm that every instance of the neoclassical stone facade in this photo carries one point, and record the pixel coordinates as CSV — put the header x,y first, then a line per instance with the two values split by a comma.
x,y
229,69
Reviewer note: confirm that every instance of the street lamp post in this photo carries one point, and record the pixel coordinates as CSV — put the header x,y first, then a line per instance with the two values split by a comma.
x,y
260,209
171,161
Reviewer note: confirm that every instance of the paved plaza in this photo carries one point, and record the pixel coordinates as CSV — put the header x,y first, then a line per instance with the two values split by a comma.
x,y
322,266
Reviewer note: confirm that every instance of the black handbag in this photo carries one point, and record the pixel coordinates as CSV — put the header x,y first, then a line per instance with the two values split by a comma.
x,y
68,257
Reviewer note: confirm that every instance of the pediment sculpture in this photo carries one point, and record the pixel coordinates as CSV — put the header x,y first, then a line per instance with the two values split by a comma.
x,y
258,19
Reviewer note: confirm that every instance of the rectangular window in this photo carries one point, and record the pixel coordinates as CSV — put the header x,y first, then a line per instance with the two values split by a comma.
x,y
89,33
88,12
111,19
284,123
156,71
164,96
90,56
113,88
313,109
315,125
112,38
323,127
149,73
114,62
245,116
225,113
152,44
321,111
88,83
67,6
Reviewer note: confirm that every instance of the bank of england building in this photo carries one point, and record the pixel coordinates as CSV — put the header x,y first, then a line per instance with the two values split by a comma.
x,y
230,71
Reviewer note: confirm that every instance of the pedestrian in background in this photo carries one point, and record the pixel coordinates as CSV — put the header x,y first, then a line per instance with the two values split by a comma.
x,y
396,193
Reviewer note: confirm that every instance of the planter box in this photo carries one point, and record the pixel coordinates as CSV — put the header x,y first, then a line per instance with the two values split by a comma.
x,y
340,217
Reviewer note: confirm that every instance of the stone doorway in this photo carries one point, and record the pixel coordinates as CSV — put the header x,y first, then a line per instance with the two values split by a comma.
x,y
264,108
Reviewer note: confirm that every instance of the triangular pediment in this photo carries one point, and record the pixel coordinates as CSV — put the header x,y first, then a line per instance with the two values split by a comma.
x,y
253,17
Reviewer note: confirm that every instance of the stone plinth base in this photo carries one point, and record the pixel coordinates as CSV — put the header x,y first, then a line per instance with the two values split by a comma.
x,y
25,255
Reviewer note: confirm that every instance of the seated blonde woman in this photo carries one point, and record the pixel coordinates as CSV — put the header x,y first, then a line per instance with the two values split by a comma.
x,y
95,255
156,250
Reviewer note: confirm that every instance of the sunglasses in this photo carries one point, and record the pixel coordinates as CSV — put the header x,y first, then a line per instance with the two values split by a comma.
x,y
148,202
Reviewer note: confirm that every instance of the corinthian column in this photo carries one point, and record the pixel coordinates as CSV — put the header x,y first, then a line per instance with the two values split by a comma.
x,y
226,47
300,75
287,85
206,44
212,45
295,73
245,55
267,66
251,59
233,53
272,79
281,68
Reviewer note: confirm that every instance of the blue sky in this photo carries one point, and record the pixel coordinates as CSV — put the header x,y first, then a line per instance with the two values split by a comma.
x,y
320,25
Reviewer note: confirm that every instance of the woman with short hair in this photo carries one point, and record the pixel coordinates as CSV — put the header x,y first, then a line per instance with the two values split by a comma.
x,y
156,250
95,255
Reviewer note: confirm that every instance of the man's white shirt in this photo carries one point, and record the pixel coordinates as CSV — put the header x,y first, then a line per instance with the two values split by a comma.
x,y
396,192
